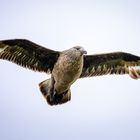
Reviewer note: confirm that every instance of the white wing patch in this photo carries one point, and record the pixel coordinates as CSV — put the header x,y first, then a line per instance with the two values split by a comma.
x,y
134,72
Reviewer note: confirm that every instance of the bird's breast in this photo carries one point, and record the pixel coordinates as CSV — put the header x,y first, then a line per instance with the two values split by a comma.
x,y
66,71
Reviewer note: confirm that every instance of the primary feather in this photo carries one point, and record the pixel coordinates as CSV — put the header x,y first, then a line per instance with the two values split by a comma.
x,y
28,54
111,63
67,66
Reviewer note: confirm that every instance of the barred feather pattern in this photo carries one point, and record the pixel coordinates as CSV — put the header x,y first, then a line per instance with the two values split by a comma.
x,y
28,54
112,63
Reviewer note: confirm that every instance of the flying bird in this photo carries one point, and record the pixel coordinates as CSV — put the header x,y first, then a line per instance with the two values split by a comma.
x,y
66,66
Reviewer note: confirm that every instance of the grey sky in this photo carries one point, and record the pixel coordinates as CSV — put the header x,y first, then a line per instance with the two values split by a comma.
x,y
102,108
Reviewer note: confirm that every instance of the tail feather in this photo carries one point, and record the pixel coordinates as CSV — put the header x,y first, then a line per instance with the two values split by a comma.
x,y
45,88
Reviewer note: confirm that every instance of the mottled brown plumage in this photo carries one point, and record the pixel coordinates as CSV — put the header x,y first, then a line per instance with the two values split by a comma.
x,y
111,63
28,54
67,66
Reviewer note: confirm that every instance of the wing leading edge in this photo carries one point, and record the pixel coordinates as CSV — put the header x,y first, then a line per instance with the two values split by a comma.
x,y
28,54
111,63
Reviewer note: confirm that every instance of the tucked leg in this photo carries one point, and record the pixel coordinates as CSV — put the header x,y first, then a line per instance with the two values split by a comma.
x,y
51,95
60,98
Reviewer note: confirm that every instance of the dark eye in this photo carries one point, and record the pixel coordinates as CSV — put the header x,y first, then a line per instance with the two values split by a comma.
x,y
77,47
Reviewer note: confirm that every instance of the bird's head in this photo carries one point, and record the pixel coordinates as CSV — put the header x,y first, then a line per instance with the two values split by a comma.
x,y
80,50
75,52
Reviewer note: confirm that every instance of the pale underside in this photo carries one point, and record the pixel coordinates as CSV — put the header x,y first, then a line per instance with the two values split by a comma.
x,y
66,71
67,66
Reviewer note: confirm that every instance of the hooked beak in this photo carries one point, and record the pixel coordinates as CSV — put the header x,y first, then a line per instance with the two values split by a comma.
x,y
83,51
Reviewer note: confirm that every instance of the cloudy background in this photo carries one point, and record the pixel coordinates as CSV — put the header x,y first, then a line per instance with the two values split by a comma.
x,y
102,108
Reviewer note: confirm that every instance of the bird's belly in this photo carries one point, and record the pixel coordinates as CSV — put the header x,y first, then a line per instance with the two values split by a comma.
x,y
66,74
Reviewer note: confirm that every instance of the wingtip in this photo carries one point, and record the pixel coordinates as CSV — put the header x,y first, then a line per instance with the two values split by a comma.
x,y
134,73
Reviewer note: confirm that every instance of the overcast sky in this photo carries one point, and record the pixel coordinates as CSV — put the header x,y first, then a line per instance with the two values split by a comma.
x,y
102,108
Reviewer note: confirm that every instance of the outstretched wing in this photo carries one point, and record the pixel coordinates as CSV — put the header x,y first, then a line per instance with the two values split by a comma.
x,y
28,54
111,63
